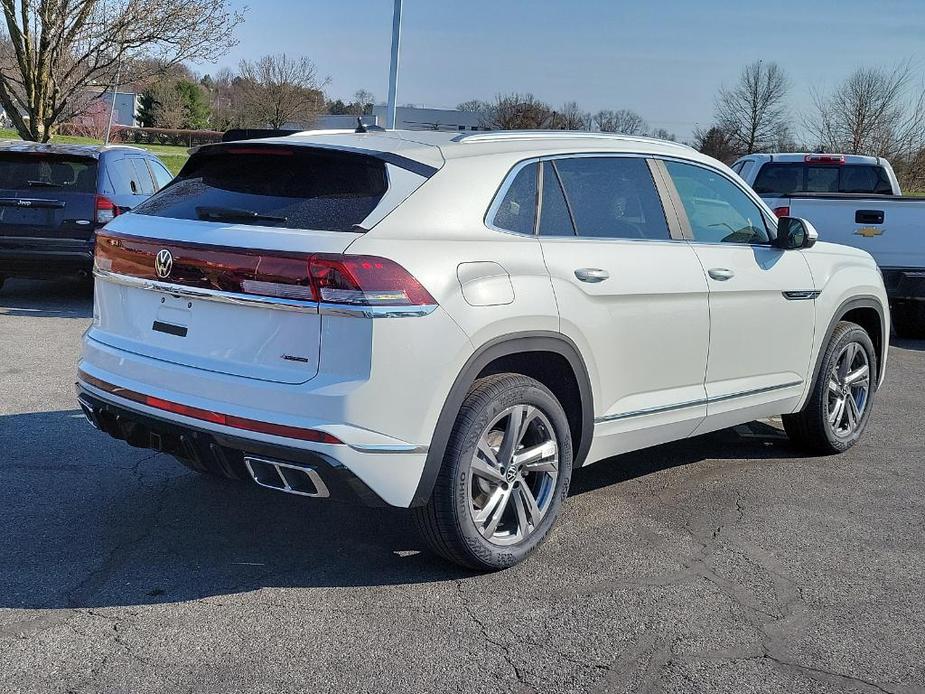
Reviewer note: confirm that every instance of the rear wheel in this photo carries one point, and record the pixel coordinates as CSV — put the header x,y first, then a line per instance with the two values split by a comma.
x,y
909,319
506,471
837,411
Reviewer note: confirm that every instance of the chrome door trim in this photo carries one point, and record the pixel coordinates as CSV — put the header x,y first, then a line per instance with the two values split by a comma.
x,y
694,403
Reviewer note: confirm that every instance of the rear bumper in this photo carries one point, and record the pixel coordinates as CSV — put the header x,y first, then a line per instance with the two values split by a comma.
x,y
221,453
45,257
904,284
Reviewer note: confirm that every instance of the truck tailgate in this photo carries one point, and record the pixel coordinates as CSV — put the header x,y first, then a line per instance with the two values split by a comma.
x,y
891,229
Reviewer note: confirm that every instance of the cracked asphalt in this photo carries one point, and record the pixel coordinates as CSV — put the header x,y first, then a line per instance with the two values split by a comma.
x,y
721,564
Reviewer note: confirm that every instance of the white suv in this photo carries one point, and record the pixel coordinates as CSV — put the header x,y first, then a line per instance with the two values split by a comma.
x,y
453,323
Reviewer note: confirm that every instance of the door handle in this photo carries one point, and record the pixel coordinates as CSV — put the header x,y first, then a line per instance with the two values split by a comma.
x,y
721,274
591,274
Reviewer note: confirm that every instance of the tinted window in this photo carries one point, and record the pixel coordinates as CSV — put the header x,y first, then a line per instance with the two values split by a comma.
x,y
612,197
22,171
717,209
161,175
144,184
121,174
517,211
797,177
554,216
291,187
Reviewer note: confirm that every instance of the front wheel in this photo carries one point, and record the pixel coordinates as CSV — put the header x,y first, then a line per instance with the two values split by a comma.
x,y
504,477
837,411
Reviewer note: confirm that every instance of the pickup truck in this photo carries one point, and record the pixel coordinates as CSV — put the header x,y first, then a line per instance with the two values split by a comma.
x,y
855,201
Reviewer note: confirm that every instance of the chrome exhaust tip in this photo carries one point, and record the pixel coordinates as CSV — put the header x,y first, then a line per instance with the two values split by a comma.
x,y
87,409
286,477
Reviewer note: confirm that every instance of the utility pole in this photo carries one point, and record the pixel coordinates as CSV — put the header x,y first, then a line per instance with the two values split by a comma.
x,y
115,93
393,66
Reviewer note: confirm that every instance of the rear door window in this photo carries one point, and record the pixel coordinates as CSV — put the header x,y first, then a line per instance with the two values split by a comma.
x,y
144,183
612,197
267,185
23,171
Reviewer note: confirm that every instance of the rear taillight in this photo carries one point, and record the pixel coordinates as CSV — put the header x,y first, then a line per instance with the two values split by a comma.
x,y
366,281
106,210
782,211
349,280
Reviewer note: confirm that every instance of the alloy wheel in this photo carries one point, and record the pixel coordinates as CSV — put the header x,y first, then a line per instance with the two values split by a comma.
x,y
514,473
849,387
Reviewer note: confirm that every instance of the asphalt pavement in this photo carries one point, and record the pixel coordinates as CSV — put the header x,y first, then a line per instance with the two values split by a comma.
x,y
726,563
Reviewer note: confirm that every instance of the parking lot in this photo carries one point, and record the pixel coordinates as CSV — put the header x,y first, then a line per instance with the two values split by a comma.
x,y
720,564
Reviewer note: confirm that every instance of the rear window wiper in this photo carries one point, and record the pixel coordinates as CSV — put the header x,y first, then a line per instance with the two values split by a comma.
x,y
233,214
46,184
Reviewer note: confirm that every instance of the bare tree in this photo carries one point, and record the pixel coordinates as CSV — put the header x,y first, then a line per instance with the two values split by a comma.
x,y
53,50
569,117
622,121
363,102
716,143
516,112
663,134
277,89
753,112
472,106
874,111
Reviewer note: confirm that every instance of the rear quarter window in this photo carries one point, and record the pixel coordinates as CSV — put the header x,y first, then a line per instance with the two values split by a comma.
x,y
289,187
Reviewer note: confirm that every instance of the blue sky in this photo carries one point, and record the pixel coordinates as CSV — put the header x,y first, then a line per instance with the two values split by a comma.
x,y
662,58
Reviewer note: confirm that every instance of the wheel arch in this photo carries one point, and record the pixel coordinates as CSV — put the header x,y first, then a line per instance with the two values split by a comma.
x,y
513,353
868,312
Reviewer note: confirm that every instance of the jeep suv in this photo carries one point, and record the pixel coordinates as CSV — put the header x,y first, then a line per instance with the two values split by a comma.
x,y
454,323
53,198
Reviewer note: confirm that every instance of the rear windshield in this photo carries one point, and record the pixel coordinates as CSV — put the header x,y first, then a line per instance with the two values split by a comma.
x,y
794,178
290,187
32,172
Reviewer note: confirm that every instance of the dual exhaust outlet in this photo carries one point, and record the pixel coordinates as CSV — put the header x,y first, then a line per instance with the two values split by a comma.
x,y
284,477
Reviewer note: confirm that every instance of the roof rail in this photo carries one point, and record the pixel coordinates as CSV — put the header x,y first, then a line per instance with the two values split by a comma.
x,y
507,135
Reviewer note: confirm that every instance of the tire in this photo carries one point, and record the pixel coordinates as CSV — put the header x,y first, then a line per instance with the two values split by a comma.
x,y
814,429
474,487
909,319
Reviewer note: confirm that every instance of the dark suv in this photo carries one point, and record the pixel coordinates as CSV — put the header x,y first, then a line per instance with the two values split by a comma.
x,y
53,198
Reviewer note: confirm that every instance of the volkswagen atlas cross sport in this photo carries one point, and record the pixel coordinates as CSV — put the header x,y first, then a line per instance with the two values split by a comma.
x,y
453,324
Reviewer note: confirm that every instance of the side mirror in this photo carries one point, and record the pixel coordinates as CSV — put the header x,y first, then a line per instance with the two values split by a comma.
x,y
793,233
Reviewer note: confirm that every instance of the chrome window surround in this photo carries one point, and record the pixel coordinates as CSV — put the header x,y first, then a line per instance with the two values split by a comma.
x,y
651,160
313,307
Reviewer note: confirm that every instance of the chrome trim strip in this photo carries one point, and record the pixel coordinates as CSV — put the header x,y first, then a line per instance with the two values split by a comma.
x,y
801,294
650,410
326,309
388,448
207,294
693,403
754,391
272,302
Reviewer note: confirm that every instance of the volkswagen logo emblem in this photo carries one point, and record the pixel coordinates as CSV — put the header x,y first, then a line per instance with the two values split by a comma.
x,y
511,474
163,263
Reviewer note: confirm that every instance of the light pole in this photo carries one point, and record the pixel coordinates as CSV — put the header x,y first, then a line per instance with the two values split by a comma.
x,y
393,66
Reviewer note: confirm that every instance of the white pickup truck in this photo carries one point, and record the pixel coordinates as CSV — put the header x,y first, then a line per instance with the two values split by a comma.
x,y
855,201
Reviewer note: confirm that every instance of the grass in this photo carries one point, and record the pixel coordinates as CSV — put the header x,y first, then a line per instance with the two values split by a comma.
x,y
173,157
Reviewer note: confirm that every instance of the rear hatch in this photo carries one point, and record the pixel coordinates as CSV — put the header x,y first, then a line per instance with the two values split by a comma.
x,y
213,272
47,195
